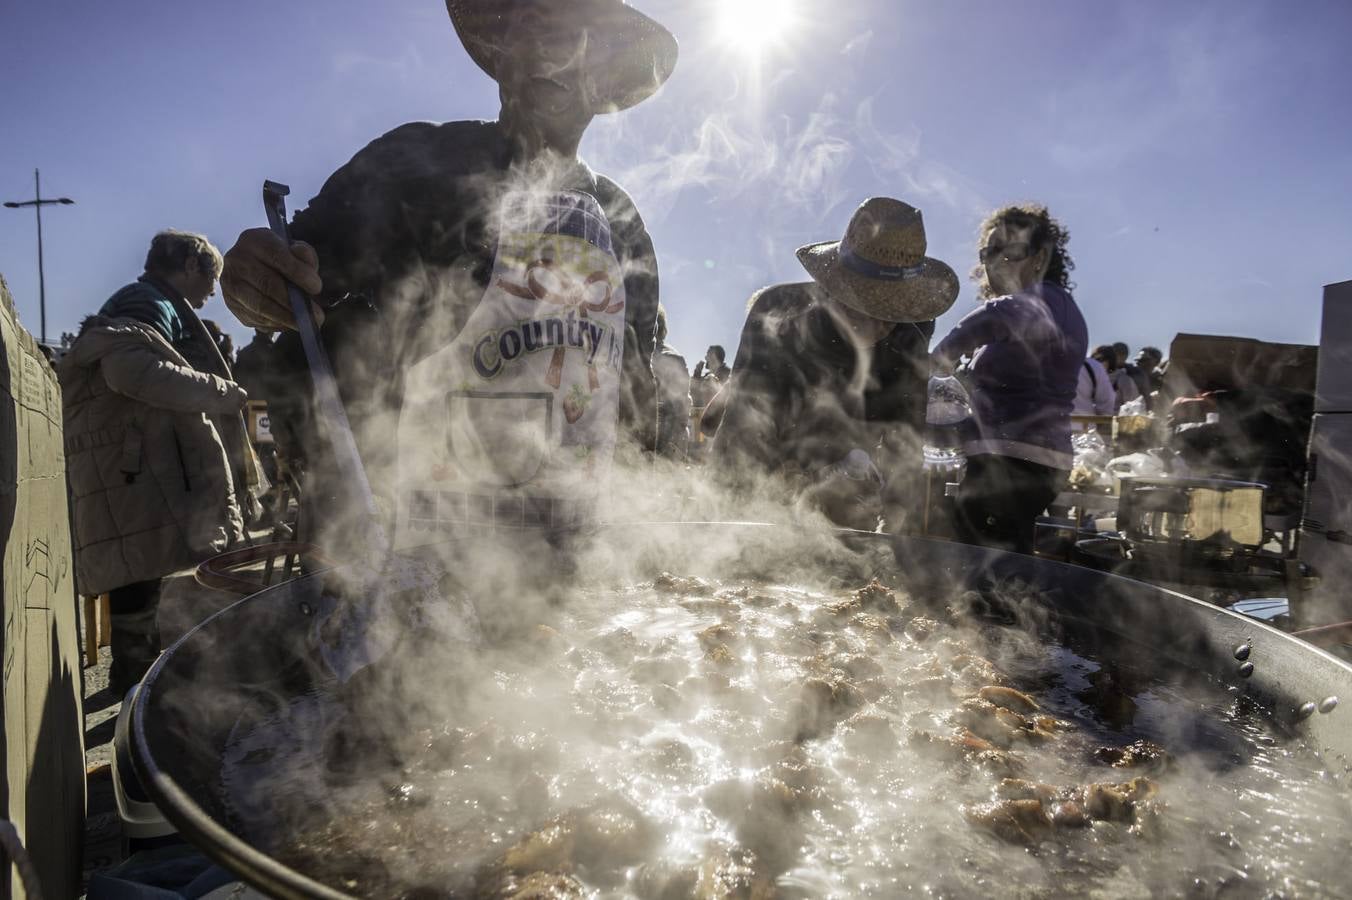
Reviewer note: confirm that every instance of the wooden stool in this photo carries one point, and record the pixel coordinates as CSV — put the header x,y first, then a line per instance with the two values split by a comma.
x,y
98,627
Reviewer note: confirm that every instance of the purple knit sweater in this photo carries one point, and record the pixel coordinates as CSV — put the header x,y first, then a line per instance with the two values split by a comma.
x,y
1026,350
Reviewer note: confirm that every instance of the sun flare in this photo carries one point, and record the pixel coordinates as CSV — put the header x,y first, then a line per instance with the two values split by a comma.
x,y
756,25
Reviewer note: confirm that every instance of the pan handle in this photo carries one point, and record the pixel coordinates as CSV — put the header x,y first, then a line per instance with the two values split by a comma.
x,y
221,572
1326,635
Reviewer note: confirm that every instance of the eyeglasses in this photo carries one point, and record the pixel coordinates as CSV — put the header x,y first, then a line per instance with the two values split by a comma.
x,y
1016,252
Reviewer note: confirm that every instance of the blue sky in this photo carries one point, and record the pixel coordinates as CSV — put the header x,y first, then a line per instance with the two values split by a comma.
x,y
1200,153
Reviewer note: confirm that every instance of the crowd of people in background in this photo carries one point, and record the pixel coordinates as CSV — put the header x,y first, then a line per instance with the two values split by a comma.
x,y
1108,381
827,395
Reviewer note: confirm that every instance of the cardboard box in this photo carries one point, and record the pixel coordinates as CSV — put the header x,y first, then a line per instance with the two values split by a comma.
x,y
1333,386
44,789
1205,362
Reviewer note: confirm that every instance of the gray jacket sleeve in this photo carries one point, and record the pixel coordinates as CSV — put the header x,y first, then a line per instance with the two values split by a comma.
x,y
144,375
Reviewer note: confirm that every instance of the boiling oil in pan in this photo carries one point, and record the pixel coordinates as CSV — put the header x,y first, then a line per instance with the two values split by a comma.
x,y
688,738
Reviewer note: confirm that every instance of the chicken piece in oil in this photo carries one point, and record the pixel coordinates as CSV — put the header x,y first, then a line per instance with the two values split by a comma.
x,y
1016,821
1118,802
1064,805
613,835
823,702
532,886
1003,726
550,847
716,636
1008,698
607,836
878,597
733,875
968,747
1028,811
1141,754
971,669
668,583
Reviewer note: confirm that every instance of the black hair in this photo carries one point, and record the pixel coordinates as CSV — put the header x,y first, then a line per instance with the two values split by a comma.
x,y
717,350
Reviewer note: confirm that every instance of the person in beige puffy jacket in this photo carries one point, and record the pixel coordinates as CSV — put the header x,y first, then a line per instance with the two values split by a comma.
x,y
150,409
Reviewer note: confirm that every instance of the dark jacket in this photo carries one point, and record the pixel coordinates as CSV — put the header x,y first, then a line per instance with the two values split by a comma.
x,y
253,367
795,403
1027,349
405,234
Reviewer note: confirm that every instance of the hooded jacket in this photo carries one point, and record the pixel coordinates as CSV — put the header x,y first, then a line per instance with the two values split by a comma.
x,y
150,483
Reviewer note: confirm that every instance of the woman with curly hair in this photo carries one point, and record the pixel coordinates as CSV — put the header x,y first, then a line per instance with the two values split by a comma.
x,y
1027,342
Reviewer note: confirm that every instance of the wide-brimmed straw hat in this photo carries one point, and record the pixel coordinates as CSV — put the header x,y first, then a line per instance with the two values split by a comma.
x,y
880,268
629,55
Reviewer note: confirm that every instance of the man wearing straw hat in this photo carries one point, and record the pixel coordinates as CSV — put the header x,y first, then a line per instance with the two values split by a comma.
x,y
829,384
399,245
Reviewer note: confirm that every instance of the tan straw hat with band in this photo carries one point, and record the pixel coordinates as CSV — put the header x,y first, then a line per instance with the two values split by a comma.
x,y
629,55
880,268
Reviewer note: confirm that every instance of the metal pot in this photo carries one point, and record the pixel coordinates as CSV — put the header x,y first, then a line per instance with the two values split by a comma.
x,y
255,654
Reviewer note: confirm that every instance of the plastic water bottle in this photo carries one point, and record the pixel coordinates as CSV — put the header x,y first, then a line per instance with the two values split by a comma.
x,y
946,412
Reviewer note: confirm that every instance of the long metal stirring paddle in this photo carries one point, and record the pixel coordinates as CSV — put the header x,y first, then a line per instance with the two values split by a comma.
x,y
359,630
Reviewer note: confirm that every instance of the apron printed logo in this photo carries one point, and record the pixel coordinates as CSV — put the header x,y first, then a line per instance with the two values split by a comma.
x,y
495,348
512,424
547,283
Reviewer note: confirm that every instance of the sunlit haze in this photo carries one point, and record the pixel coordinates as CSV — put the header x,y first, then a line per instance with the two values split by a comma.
x,y
755,25
1197,152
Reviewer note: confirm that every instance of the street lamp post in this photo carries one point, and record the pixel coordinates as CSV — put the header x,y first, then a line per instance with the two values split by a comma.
x,y
37,203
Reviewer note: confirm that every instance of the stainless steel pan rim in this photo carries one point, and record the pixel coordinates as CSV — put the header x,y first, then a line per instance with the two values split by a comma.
x,y
1298,683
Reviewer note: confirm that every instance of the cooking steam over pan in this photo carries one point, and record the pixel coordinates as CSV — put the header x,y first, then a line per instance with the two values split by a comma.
x,y
255,656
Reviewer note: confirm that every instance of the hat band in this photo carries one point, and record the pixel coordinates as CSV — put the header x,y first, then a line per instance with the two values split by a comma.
x,y
876,271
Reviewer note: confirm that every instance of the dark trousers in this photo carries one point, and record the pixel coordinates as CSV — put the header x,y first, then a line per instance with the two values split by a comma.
x,y
1000,498
135,597
135,632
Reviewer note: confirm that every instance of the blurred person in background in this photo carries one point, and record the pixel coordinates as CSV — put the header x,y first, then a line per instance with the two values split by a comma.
x,y
399,245
1148,361
830,382
1127,371
156,452
254,371
1027,342
1094,394
1124,388
1134,372
673,395
712,373
253,364
224,342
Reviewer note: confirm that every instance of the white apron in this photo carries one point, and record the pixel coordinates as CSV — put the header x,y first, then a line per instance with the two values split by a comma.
x,y
512,425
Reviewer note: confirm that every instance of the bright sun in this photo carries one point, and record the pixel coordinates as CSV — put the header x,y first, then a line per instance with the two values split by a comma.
x,y
755,25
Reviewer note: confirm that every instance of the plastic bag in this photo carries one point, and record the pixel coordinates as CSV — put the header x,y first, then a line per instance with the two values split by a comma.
x,y
948,402
1135,407
948,413
1090,464
1136,464
1090,449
